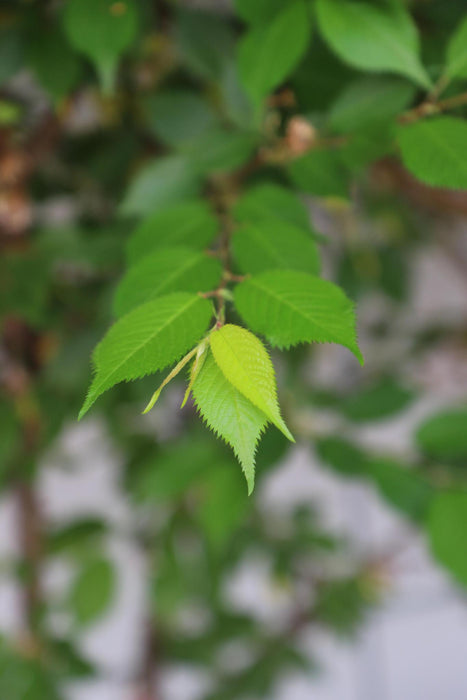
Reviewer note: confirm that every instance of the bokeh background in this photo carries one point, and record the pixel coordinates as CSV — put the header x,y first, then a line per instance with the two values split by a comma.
x,y
133,566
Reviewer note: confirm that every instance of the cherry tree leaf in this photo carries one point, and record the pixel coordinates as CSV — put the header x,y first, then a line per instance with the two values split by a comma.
x,y
229,414
245,363
147,339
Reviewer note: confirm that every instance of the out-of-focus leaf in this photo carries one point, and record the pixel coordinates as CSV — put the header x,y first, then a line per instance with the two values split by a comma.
x,y
368,101
188,223
74,535
164,181
102,30
270,51
433,151
53,62
322,173
93,591
443,436
447,529
377,402
179,116
205,41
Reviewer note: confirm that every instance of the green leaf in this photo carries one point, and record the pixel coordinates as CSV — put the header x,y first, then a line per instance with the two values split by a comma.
x,y
221,149
190,224
245,363
229,414
205,42
167,270
322,173
101,30
444,436
170,473
258,11
343,456
434,151
167,115
369,101
164,181
373,38
268,53
269,199
401,486
223,507
55,65
268,244
456,59
148,339
93,591
447,530
376,402
292,307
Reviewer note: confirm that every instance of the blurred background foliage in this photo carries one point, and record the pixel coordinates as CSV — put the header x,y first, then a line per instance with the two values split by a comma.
x,y
108,124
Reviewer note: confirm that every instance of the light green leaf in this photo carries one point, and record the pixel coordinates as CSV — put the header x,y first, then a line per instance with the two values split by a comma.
x,y
147,339
373,38
245,363
443,436
93,591
167,270
101,30
369,101
164,181
289,308
456,59
229,414
269,243
269,199
190,223
434,151
322,173
269,52
447,530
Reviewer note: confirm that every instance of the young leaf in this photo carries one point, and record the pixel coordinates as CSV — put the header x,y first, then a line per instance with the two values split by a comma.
x,y
245,363
189,223
447,530
293,307
147,339
167,270
229,414
373,38
434,151
268,244
269,199
162,182
269,52
102,30
322,173
456,60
